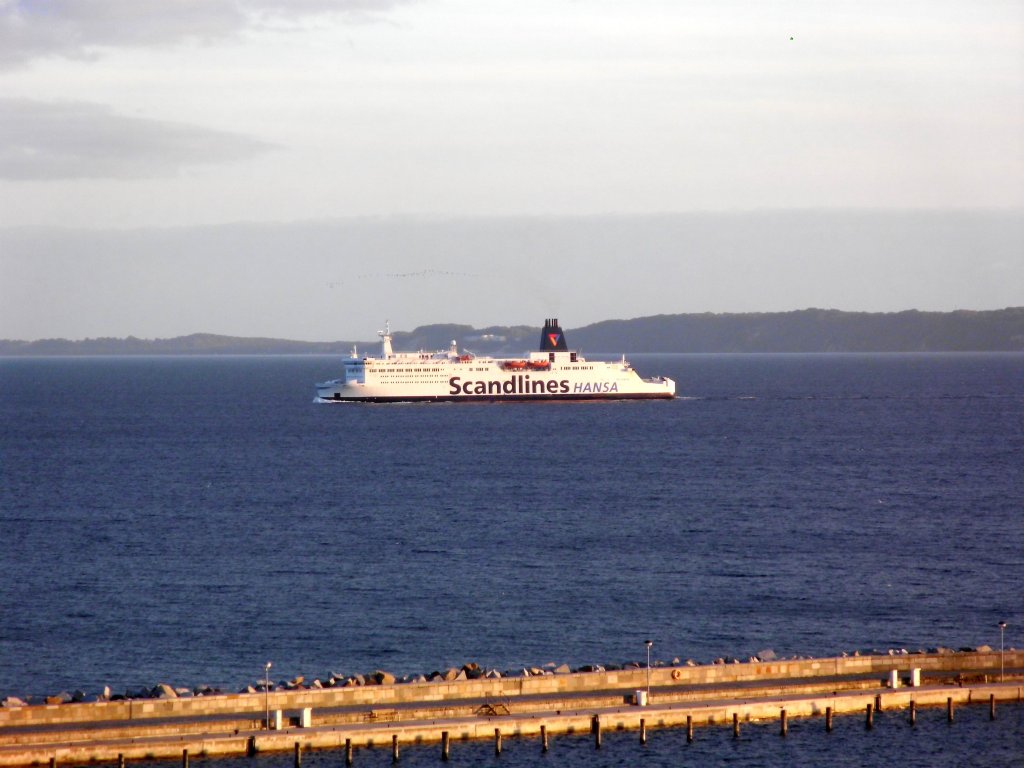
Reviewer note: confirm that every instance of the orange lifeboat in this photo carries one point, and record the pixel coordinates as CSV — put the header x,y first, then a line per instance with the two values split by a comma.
x,y
540,365
514,365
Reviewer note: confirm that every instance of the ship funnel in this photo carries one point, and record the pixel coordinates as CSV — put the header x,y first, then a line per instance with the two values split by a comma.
x,y
551,338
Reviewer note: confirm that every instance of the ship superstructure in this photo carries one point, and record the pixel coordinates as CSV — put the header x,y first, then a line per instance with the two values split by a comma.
x,y
554,372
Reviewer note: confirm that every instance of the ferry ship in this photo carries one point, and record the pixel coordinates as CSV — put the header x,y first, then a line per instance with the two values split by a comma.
x,y
552,373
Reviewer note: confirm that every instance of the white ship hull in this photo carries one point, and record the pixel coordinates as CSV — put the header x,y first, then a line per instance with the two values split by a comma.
x,y
554,373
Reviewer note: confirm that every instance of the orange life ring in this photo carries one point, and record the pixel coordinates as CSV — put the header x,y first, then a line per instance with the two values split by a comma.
x,y
677,674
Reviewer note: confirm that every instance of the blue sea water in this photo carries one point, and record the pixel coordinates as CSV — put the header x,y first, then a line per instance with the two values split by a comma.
x,y
187,519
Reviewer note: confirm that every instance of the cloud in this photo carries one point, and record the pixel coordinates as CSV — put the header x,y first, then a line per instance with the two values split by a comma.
x,y
31,29
78,140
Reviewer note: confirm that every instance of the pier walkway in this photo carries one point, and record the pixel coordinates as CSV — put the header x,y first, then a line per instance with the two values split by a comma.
x,y
539,706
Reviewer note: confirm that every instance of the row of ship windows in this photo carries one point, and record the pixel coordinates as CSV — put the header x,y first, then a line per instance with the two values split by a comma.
x,y
475,370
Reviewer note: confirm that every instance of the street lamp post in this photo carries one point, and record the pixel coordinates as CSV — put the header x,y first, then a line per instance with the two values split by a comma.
x,y
1002,628
266,690
648,643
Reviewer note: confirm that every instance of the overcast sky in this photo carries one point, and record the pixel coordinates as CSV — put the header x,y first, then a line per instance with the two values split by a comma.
x,y
287,167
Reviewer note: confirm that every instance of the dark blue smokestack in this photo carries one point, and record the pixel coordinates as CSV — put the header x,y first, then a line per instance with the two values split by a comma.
x,y
551,338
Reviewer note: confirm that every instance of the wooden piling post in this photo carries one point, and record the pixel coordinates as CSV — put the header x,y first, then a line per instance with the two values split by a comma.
x,y
869,722
120,760
949,709
784,727
184,758
348,752
991,706
735,725
298,755
828,719
689,729
497,741
250,747
445,746
913,712
595,727
643,731
394,748
878,703
543,738
53,762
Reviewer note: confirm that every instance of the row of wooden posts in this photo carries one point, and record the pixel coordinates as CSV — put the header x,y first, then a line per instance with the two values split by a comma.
x,y
595,729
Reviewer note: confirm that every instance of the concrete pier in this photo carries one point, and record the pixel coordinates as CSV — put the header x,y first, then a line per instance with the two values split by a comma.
x,y
535,707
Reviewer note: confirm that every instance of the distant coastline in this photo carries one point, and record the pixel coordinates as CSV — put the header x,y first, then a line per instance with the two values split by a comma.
x,y
808,330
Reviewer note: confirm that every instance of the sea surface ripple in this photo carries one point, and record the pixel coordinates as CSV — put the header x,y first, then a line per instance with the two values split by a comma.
x,y
184,520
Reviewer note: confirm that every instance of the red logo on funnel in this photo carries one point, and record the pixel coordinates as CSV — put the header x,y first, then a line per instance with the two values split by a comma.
x,y
553,338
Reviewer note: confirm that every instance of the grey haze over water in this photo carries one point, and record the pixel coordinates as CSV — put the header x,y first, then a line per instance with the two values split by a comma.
x,y
329,280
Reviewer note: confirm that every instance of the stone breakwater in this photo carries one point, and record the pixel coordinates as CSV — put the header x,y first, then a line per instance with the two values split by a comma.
x,y
469,671
389,714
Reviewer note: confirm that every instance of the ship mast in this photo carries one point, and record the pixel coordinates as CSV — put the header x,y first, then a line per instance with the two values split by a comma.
x,y
385,341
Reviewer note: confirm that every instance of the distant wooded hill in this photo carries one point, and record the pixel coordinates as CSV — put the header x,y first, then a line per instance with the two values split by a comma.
x,y
812,330
808,330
